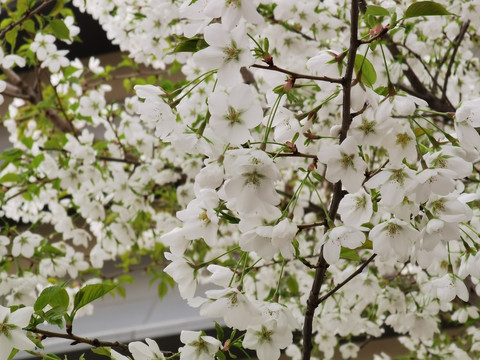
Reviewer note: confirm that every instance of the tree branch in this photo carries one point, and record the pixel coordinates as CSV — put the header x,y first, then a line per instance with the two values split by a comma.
x,y
418,89
322,265
28,13
460,37
344,282
78,339
297,75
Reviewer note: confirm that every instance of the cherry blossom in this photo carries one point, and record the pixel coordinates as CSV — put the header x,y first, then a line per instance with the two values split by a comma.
x,y
198,346
11,334
228,52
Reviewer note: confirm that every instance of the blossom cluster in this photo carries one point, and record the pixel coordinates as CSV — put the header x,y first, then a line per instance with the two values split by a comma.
x,y
311,186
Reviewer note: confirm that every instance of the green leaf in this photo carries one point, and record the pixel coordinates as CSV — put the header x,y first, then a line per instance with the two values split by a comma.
x,y
10,177
57,8
376,11
191,45
69,70
425,8
162,289
51,250
90,293
220,355
293,286
5,23
349,254
37,160
29,25
13,353
28,142
60,30
317,176
220,332
11,36
369,76
54,296
101,351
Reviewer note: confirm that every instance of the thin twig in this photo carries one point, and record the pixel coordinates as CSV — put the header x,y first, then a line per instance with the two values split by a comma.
x,y
28,13
78,339
344,282
294,154
297,75
461,35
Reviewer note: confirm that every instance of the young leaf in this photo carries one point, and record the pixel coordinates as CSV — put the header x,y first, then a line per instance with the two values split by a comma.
x,y
220,333
55,296
10,177
90,293
369,76
349,254
60,30
425,8
376,11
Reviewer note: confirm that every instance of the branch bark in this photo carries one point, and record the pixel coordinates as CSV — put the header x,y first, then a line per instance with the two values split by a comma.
x,y
322,265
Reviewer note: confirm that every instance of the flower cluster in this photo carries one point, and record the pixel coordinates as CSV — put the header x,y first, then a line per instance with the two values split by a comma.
x,y
310,178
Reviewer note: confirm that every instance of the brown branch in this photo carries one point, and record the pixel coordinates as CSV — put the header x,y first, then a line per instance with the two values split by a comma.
x,y
310,226
297,75
418,89
344,282
425,67
287,26
294,154
78,339
322,265
28,13
460,37
129,158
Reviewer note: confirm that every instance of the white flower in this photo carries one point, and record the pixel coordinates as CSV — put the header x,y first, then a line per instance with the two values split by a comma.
x,y
183,275
343,163
337,237
234,114
349,350
141,351
198,346
252,183
25,244
282,236
394,184
236,309
199,218
232,10
267,339
43,45
56,60
326,63
449,286
4,241
11,334
356,209
467,118
228,52
154,111
393,239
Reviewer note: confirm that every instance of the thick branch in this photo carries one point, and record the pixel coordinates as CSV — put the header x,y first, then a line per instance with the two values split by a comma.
x,y
418,89
312,302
